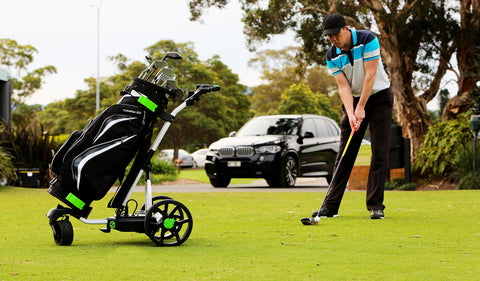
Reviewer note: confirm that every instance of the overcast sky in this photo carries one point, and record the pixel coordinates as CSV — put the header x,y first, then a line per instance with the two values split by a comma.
x,y
65,34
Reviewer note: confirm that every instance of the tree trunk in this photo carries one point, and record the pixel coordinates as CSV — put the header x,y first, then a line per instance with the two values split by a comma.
x,y
410,111
468,42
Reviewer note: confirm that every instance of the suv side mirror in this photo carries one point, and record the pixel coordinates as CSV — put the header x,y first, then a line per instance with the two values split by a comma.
x,y
232,134
308,135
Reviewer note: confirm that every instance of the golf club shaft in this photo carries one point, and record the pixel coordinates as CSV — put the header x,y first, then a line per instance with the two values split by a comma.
x,y
336,169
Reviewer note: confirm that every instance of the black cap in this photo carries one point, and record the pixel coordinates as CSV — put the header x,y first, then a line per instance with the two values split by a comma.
x,y
333,23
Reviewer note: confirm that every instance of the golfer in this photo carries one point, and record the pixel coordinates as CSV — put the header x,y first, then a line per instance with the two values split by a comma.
x,y
354,60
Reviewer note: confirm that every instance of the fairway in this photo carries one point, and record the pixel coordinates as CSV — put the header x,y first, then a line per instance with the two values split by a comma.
x,y
429,235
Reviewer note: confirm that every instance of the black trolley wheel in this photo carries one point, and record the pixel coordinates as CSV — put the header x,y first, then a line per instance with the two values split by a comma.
x,y
62,232
168,223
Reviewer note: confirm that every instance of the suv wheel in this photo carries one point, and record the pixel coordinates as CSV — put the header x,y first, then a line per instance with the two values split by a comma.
x,y
288,172
220,181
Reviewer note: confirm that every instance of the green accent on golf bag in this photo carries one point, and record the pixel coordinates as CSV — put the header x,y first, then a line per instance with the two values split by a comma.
x,y
147,103
75,201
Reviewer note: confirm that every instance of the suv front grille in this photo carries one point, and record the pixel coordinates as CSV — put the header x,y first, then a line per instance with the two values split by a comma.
x,y
242,151
226,151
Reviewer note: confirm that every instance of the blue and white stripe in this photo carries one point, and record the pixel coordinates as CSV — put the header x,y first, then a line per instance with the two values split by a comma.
x,y
365,48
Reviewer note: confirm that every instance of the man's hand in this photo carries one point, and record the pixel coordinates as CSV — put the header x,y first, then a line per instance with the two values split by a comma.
x,y
359,115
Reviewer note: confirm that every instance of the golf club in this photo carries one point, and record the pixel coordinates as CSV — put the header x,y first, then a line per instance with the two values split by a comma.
x,y
312,221
147,73
164,74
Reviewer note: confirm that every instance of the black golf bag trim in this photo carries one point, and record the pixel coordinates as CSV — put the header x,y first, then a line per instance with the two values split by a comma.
x,y
91,160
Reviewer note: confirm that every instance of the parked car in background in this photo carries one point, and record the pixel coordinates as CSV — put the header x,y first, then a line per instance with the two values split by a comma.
x,y
278,148
199,157
184,158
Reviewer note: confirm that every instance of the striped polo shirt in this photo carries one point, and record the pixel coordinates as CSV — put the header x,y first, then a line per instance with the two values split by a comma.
x,y
365,47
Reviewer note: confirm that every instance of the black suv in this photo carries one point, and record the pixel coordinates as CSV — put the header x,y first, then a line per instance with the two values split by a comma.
x,y
278,148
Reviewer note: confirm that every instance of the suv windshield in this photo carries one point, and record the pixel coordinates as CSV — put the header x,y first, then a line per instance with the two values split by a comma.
x,y
270,126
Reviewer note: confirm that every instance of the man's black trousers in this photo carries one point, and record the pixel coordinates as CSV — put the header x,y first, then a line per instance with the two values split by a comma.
x,y
378,114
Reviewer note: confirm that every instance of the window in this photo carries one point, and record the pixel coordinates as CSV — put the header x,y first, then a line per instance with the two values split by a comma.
x,y
322,128
308,126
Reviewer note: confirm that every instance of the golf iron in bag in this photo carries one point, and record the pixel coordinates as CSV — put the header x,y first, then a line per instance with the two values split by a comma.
x,y
313,221
91,160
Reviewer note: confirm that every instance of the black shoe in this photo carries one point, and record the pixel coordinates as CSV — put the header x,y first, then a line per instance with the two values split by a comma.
x,y
377,214
325,213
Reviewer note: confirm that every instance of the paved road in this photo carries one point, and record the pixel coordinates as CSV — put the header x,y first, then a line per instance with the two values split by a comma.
x,y
303,185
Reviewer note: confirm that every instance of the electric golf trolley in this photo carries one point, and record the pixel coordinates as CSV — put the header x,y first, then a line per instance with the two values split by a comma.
x,y
91,160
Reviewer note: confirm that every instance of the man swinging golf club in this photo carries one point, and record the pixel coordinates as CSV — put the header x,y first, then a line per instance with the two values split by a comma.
x,y
354,60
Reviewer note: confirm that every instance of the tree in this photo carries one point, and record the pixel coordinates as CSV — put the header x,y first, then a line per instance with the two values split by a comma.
x,y
213,117
416,53
300,99
280,71
468,58
217,113
17,58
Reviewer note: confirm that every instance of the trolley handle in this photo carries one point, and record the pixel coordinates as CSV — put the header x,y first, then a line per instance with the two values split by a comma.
x,y
200,89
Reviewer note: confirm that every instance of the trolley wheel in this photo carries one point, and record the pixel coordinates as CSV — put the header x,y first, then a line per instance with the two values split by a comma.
x,y
62,232
168,223
155,199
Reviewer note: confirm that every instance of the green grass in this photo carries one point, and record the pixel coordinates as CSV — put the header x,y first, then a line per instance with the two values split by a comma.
x,y
254,236
364,155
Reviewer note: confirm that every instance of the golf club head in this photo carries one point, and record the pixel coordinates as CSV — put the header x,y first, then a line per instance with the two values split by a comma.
x,y
308,221
175,93
150,71
163,75
172,55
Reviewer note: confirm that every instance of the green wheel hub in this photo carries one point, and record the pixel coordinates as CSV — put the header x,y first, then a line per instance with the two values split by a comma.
x,y
169,223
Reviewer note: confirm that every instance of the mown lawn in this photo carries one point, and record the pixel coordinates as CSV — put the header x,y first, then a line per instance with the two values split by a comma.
x,y
254,236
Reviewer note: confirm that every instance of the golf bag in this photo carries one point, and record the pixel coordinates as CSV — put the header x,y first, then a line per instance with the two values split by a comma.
x,y
91,160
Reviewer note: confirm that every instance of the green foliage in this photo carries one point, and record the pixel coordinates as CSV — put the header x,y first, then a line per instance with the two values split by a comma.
x,y
464,175
299,99
280,70
390,185
394,184
7,168
17,57
439,155
163,167
212,117
30,147
470,180
408,187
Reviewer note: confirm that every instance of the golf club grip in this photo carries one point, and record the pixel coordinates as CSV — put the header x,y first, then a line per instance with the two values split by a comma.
x,y
348,142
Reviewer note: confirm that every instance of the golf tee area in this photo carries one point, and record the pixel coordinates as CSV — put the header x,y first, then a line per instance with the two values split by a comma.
x,y
426,235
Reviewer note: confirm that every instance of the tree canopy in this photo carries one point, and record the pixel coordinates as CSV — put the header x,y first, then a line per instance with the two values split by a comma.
x,y
417,38
213,117
17,58
292,89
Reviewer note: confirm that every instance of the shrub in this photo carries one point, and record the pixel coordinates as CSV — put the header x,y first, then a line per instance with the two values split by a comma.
x,y
390,185
163,167
160,171
463,174
440,152
470,181
7,169
394,184
30,147
408,186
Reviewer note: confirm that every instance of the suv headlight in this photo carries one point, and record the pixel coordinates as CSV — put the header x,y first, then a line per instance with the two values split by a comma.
x,y
268,149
